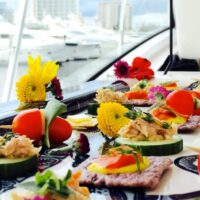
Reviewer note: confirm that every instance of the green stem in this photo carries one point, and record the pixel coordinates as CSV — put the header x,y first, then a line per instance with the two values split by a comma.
x,y
60,150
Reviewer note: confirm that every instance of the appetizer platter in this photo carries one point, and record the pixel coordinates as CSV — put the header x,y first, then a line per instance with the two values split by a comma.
x,y
122,151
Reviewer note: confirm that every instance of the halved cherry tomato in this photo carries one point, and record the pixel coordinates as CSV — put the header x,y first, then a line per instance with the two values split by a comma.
x,y
116,161
181,101
137,95
59,130
163,114
29,123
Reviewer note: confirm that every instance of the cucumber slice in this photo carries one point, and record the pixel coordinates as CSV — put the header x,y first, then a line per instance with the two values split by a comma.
x,y
154,148
16,167
92,107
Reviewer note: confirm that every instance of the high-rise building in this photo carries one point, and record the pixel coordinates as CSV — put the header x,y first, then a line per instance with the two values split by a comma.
x,y
55,8
108,13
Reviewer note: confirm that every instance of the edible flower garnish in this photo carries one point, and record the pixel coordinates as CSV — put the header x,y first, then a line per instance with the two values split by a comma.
x,y
111,118
31,88
121,69
140,69
157,93
79,145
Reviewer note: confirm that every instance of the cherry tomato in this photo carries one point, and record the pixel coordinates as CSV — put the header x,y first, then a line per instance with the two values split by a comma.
x,y
181,101
29,123
59,130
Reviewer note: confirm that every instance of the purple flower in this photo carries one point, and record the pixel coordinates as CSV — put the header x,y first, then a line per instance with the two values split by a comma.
x,y
121,69
56,88
157,93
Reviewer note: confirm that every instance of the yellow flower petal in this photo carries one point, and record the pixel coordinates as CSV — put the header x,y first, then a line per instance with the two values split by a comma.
x,y
46,72
34,66
111,118
30,89
49,71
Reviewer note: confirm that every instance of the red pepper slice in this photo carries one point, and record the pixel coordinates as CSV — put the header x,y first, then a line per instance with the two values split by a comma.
x,y
198,164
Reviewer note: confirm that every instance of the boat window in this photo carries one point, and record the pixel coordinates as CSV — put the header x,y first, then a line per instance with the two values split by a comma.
x,y
81,35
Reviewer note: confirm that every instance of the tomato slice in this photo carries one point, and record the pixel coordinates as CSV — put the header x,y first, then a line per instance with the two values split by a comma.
x,y
137,95
116,161
170,84
181,101
198,164
163,114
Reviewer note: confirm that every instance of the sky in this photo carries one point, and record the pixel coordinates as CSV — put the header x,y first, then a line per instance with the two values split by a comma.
x,y
89,7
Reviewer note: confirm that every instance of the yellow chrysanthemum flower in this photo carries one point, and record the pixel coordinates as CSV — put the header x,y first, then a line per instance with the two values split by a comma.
x,y
46,72
30,89
111,118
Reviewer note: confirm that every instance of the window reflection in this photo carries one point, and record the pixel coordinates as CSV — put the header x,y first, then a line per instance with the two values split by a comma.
x,y
79,34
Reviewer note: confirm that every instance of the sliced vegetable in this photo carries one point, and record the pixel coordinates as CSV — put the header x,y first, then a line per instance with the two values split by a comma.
x,y
59,130
169,84
115,161
155,148
163,113
141,94
181,101
29,123
16,167
132,168
198,164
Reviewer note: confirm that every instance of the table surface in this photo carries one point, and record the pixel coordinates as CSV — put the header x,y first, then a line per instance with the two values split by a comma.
x,y
180,181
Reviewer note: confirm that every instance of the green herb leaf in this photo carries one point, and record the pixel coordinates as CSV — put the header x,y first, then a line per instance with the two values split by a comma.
x,y
143,83
131,114
53,109
159,96
166,125
148,117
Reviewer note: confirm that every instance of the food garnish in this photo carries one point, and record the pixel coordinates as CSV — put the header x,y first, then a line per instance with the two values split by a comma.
x,y
111,118
164,113
79,145
35,123
169,85
198,164
182,102
49,186
157,93
140,69
122,159
121,69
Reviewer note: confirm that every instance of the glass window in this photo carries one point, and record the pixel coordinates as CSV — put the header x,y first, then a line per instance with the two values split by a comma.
x,y
8,11
81,35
